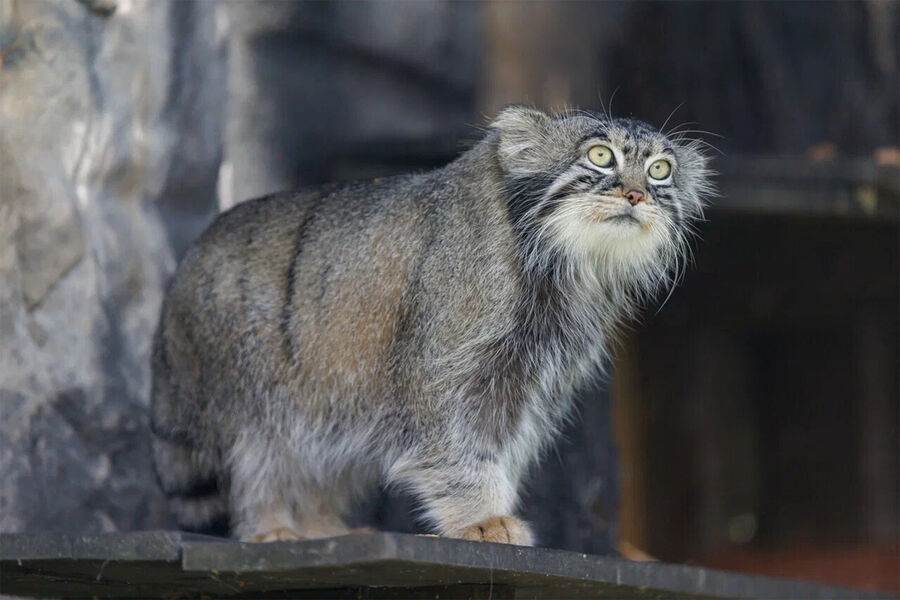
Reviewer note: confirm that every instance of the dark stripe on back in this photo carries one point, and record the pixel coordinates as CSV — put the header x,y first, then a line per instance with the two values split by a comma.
x,y
300,240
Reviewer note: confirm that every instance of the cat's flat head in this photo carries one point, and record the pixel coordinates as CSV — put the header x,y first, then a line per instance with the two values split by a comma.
x,y
618,192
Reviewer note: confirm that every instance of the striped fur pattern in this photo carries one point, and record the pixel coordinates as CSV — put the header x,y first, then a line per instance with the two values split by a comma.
x,y
424,331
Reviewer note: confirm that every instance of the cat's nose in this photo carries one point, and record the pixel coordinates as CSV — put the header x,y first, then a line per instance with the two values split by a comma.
x,y
634,196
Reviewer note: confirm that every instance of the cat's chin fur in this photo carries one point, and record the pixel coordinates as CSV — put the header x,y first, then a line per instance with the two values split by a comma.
x,y
624,263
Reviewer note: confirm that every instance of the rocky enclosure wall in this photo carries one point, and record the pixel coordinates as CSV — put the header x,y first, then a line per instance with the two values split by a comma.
x,y
111,121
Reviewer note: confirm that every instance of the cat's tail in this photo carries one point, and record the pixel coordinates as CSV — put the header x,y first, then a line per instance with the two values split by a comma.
x,y
188,473
196,495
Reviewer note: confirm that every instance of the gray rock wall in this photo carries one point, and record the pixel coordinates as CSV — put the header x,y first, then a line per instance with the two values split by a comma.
x,y
111,120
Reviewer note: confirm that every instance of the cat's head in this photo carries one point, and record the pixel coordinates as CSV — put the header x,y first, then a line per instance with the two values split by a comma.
x,y
616,192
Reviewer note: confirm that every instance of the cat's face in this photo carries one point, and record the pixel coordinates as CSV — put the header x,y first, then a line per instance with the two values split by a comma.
x,y
615,190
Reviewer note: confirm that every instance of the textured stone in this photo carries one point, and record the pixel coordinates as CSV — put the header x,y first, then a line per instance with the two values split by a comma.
x,y
110,114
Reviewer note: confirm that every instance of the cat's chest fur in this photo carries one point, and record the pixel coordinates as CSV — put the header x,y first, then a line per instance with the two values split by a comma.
x,y
524,379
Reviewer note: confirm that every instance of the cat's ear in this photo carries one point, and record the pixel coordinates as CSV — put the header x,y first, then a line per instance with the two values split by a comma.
x,y
523,135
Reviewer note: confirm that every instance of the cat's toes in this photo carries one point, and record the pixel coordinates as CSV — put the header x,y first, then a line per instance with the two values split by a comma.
x,y
503,529
276,535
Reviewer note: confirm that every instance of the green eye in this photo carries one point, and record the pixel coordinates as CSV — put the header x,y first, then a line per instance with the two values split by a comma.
x,y
660,169
602,156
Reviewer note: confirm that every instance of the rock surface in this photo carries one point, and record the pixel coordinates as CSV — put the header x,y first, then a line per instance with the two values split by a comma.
x,y
105,109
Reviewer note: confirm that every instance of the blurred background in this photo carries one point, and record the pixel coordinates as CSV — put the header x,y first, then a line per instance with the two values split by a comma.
x,y
750,422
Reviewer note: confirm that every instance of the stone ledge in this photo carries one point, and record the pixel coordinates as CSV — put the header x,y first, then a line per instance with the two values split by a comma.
x,y
372,565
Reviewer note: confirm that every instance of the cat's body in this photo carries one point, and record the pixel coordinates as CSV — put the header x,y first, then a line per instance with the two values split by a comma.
x,y
423,331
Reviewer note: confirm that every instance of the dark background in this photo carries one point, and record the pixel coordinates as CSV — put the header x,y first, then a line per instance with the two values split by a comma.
x,y
752,421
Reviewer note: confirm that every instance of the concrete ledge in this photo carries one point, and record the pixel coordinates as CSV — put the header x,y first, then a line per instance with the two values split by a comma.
x,y
372,565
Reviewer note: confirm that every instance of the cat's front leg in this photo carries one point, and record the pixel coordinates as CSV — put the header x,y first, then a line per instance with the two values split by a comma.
x,y
469,495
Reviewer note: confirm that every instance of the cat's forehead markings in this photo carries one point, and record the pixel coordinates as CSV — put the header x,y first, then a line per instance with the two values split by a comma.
x,y
599,134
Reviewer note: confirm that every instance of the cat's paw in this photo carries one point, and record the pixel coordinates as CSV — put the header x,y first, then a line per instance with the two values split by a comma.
x,y
503,529
276,535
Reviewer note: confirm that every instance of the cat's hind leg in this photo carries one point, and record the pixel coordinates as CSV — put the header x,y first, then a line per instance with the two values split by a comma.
x,y
276,497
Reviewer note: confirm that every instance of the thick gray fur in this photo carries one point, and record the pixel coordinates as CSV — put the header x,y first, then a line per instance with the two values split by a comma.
x,y
424,331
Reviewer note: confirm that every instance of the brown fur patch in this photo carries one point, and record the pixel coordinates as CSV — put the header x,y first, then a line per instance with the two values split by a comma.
x,y
353,334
